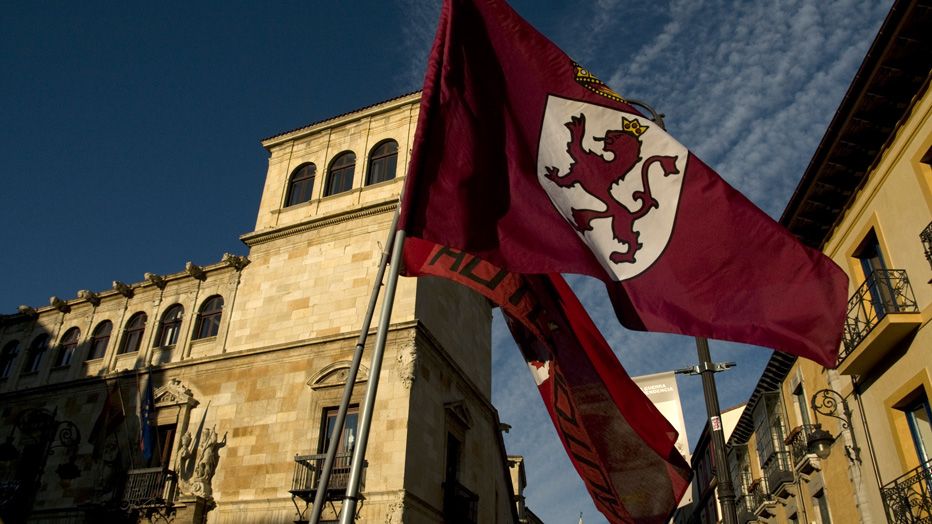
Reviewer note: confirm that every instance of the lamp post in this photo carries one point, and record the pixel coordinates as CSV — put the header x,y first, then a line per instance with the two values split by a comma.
x,y
707,369
827,402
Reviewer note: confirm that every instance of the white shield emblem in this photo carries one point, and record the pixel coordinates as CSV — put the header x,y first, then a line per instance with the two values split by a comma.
x,y
615,177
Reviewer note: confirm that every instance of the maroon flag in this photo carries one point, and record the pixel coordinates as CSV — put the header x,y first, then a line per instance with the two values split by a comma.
x,y
108,420
620,444
526,160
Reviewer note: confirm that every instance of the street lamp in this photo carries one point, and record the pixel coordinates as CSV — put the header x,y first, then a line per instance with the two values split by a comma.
x,y
820,443
826,402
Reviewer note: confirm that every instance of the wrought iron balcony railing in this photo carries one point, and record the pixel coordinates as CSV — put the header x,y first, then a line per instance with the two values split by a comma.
x,y
908,499
798,441
460,506
149,488
762,502
885,291
926,238
779,472
306,478
745,505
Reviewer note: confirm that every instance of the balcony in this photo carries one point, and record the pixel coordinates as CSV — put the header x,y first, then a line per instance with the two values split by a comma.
x,y
804,462
306,478
149,489
908,500
745,506
779,474
460,506
759,496
881,313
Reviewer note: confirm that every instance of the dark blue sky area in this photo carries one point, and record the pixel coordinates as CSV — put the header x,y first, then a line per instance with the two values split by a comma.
x,y
130,136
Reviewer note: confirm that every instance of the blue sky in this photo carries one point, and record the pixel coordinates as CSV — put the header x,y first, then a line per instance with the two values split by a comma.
x,y
131,134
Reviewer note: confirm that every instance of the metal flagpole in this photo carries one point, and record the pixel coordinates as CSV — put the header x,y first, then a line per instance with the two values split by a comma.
x,y
706,368
324,478
348,513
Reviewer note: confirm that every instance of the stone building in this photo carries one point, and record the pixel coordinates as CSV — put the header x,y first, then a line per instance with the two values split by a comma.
x,y
854,444
247,358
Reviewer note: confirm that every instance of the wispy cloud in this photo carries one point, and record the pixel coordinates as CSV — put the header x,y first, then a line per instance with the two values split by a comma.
x,y
417,34
750,88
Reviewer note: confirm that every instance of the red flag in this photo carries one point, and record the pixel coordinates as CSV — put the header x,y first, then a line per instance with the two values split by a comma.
x,y
526,160
620,444
108,420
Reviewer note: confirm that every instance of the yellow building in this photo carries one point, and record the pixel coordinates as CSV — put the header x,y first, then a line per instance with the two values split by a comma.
x,y
248,358
854,444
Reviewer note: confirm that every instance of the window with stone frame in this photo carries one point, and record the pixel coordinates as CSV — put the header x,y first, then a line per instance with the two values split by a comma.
x,y
301,185
169,327
67,347
8,358
340,175
34,355
208,318
132,333
100,339
383,161
347,436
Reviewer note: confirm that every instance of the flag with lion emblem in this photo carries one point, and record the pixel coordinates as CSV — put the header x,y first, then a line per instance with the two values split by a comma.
x,y
526,160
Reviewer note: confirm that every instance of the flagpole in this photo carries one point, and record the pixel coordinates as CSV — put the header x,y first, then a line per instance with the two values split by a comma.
x,y
348,513
726,491
324,478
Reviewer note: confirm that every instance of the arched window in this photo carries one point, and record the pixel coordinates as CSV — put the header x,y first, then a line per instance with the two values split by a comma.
x,y
99,340
382,162
132,333
340,177
36,351
169,327
69,342
208,318
7,357
300,185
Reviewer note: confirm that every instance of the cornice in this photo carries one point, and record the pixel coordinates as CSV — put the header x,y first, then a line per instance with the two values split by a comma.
x,y
261,237
336,121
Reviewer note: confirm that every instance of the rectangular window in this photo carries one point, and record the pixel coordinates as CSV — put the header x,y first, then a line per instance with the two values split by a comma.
x,y
347,437
802,407
919,417
875,275
821,507
163,440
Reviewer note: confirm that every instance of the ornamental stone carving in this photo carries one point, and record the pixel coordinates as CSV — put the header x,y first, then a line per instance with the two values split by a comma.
x,y
237,262
173,394
90,296
204,459
59,304
336,374
396,512
29,311
156,280
195,270
407,364
122,288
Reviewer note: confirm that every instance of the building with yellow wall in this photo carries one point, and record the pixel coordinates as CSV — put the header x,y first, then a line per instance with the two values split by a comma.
x,y
854,444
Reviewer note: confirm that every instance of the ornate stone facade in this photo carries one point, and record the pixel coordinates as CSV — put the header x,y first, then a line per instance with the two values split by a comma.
x,y
249,356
